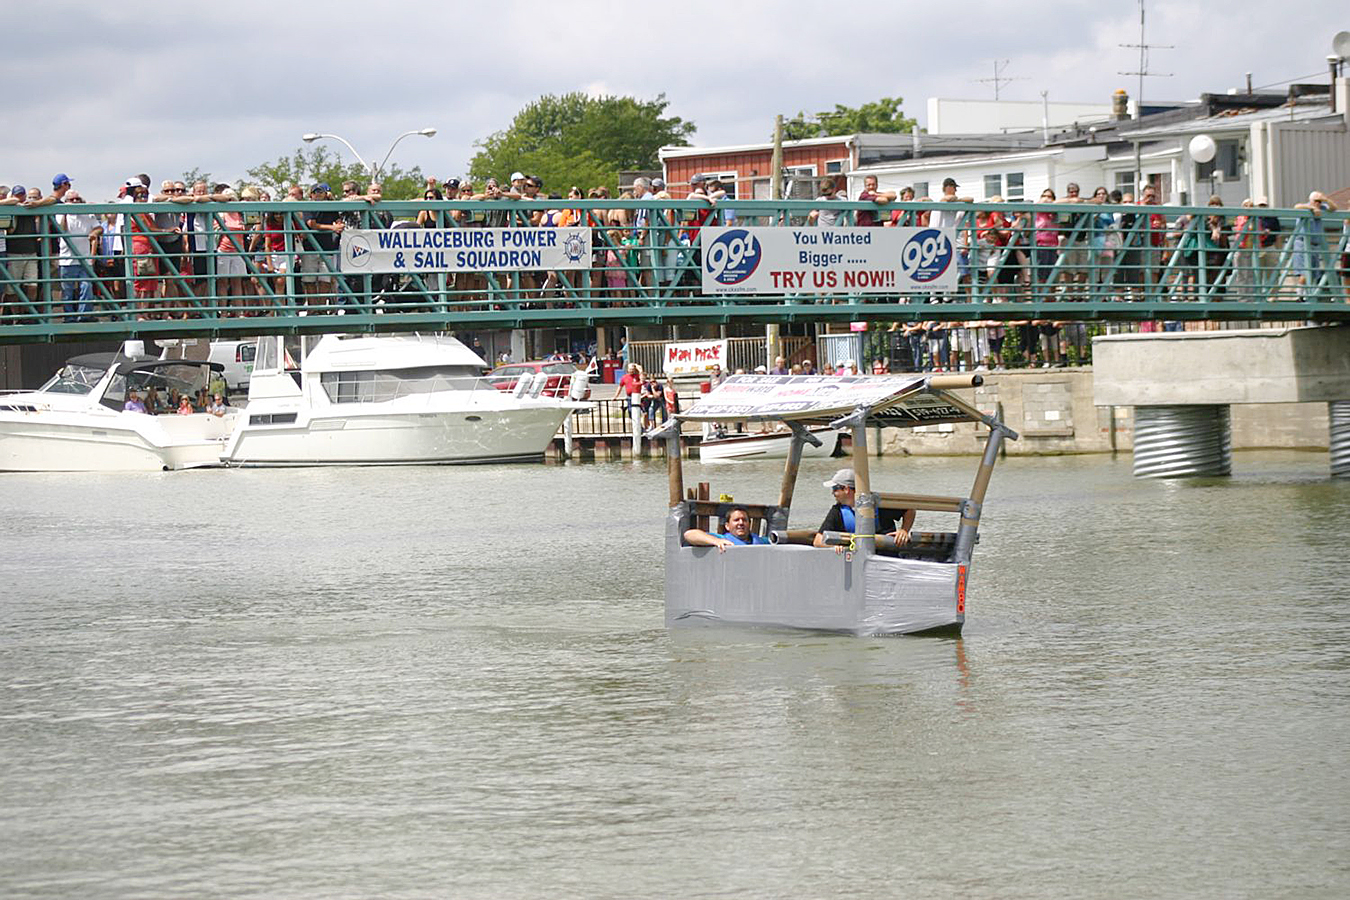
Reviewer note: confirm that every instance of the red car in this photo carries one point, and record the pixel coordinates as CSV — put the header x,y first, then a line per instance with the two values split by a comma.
x,y
505,376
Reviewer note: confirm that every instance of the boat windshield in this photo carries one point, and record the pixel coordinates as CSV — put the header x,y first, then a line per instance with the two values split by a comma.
x,y
186,378
74,379
377,385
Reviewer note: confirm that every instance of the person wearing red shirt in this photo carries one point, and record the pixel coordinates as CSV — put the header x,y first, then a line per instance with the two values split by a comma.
x,y
871,195
631,384
1152,257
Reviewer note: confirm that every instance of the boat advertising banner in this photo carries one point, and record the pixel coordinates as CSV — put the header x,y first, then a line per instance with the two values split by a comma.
x,y
692,357
464,249
828,260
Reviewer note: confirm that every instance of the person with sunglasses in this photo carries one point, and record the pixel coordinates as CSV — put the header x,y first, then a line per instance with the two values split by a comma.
x,y
843,517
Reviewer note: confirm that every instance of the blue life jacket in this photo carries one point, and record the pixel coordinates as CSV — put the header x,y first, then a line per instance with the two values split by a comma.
x,y
850,518
754,539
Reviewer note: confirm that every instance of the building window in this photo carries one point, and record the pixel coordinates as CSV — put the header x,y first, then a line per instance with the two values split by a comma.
x,y
1125,182
799,182
1224,163
993,186
1015,191
728,180
920,190
835,166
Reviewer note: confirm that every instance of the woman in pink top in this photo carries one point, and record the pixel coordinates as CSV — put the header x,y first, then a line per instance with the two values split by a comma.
x,y
1243,243
230,252
1046,240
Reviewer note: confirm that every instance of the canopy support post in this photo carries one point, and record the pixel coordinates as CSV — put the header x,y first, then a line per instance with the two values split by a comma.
x,y
866,509
670,430
970,509
794,460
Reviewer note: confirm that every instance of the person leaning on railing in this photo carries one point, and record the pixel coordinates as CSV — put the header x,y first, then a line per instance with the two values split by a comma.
x,y
319,267
82,235
22,246
1309,242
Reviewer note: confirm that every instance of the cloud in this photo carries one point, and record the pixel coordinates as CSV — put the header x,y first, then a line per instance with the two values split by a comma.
x,y
137,86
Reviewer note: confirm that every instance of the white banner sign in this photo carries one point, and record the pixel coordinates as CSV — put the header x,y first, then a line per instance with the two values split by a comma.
x,y
897,401
690,357
828,260
464,249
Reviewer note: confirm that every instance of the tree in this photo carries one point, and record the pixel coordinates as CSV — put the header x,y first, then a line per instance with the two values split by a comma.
x,y
194,175
319,163
578,140
880,116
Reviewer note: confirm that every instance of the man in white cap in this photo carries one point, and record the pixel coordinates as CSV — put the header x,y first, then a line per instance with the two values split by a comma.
x,y
842,517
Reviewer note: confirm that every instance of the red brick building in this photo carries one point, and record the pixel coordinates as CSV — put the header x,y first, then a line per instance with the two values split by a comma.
x,y
747,166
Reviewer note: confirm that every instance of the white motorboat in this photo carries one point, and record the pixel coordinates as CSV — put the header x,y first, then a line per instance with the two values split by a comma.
x,y
387,400
76,421
766,445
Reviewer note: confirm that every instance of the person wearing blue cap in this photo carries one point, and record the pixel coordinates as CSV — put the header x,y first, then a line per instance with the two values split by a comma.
x,y
318,269
60,185
21,246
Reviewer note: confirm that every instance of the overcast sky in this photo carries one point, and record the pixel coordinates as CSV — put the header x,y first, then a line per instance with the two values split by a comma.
x,y
103,91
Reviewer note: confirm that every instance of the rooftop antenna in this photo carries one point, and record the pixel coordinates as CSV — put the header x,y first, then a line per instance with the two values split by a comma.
x,y
1143,46
998,80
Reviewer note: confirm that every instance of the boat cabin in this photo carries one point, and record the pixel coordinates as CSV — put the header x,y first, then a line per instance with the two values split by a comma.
x,y
873,587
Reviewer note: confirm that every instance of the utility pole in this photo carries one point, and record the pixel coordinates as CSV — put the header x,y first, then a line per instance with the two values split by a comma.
x,y
1143,72
771,342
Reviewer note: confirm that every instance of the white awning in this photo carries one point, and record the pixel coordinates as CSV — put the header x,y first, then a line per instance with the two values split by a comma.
x,y
902,401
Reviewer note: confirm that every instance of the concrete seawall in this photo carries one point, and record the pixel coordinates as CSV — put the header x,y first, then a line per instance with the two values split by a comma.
x,y
1052,410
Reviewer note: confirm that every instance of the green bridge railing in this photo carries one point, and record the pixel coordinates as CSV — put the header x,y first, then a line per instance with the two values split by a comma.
x,y
239,269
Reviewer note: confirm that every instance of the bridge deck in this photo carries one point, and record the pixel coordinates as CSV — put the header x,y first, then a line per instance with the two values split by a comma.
x,y
1020,261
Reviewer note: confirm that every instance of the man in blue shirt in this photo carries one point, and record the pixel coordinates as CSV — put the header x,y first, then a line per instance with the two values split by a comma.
x,y
738,533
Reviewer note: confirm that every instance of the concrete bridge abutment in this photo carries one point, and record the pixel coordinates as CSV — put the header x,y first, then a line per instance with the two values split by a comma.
x,y
1182,385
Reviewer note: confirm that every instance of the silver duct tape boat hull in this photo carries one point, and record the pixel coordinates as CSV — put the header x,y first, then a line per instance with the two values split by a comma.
x,y
810,588
44,445
462,436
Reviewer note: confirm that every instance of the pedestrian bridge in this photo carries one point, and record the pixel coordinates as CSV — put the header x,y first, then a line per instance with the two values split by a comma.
x,y
236,271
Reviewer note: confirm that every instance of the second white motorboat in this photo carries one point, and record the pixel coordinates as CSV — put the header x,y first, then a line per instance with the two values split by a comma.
x,y
766,445
388,400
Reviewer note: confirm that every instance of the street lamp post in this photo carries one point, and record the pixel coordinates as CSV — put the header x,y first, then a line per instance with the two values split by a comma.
x,y
373,170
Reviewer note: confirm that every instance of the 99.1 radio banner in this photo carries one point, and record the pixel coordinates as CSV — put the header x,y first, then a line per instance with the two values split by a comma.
x,y
828,260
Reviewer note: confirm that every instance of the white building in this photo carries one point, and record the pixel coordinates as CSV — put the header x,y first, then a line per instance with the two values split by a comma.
x,y
949,116
1277,146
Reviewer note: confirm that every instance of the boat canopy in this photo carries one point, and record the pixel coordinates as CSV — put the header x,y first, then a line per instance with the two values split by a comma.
x,y
126,365
898,401
340,353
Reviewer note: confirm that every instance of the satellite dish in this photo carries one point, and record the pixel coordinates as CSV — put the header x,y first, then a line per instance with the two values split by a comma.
x,y
1340,44
1202,148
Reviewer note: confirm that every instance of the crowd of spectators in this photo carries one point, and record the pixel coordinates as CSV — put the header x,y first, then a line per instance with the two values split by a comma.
x,y
246,262
1109,254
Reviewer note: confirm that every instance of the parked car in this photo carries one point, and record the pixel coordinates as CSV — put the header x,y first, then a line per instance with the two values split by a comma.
x,y
505,376
237,358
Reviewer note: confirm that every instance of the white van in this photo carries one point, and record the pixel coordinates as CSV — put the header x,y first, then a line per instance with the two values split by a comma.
x,y
237,358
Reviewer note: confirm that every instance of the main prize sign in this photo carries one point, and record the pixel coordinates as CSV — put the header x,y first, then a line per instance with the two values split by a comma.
x,y
464,250
828,260
690,357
